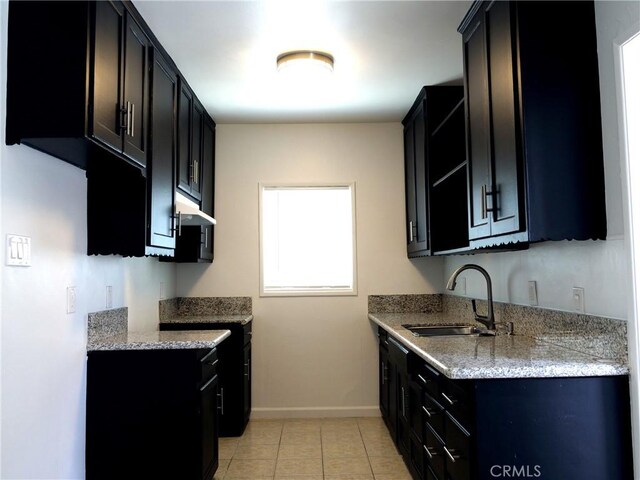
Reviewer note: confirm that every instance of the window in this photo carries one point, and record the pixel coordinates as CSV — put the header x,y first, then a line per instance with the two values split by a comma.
x,y
307,236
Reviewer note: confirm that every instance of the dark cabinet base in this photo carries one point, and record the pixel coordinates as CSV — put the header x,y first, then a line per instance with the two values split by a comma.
x,y
234,370
152,414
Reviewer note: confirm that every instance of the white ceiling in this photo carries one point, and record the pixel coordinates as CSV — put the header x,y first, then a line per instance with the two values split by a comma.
x,y
385,51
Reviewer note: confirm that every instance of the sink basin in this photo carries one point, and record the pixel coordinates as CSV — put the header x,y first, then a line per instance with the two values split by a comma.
x,y
444,330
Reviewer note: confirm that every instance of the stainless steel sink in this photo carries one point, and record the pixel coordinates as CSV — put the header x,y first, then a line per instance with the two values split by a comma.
x,y
445,330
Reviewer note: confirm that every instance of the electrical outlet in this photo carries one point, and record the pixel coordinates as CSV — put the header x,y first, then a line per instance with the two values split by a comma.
x,y
533,293
71,299
578,299
163,291
109,300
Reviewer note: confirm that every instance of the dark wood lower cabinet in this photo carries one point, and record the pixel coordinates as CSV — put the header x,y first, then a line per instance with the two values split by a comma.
x,y
152,414
234,370
557,428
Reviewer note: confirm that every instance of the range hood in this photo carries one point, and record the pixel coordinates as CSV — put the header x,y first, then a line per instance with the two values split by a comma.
x,y
189,212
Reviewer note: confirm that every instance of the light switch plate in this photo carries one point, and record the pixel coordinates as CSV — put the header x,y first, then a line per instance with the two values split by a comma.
x,y
18,251
109,295
71,299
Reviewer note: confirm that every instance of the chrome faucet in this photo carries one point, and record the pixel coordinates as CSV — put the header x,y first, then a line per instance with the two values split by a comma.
x,y
488,320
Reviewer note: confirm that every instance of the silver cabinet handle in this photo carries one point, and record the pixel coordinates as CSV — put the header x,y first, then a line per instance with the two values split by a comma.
x,y
422,379
426,410
452,454
382,371
247,374
411,231
483,201
451,401
179,224
133,118
221,396
206,237
430,453
129,117
404,414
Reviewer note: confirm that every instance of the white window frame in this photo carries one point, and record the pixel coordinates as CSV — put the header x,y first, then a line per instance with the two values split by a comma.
x,y
315,292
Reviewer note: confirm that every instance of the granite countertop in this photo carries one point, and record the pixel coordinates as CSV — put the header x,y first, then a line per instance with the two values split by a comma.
x,y
242,319
503,356
159,340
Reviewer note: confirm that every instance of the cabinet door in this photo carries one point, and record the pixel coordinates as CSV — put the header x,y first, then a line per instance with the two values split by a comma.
x,y
477,104
246,384
209,427
410,186
507,154
107,120
384,383
415,164
197,123
420,159
160,176
136,91
185,106
208,186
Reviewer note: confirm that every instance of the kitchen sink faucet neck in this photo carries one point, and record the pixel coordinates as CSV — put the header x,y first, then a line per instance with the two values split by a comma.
x,y
489,319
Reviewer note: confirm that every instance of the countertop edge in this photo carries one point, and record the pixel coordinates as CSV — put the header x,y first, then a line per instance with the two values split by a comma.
x,y
117,343
465,373
187,319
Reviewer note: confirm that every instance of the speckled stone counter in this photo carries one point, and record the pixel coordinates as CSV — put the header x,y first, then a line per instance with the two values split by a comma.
x,y
206,310
241,319
108,330
160,340
503,356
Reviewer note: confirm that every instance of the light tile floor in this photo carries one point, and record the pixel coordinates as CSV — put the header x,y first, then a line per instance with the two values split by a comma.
x,y
312,449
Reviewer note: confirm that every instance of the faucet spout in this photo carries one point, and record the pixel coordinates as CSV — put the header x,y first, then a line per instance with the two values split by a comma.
x,y
489,319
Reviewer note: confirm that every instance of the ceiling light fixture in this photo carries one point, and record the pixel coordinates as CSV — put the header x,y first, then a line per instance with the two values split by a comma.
x,y
308,58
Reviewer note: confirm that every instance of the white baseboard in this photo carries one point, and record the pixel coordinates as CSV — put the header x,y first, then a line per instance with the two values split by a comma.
x,y
315,412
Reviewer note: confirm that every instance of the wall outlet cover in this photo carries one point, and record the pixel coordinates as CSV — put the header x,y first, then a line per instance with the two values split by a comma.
x,y
578,299
533,292
71,299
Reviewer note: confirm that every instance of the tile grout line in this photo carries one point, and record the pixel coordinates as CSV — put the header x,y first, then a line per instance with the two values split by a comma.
x,y
366,452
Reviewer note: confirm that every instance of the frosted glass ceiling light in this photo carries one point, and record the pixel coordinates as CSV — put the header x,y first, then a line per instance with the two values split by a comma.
x,y
305,60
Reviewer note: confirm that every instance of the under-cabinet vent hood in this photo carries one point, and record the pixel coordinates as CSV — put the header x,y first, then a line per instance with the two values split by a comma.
x,y
189,213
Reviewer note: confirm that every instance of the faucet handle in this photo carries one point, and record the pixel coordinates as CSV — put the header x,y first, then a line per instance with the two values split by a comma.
x,y
506,326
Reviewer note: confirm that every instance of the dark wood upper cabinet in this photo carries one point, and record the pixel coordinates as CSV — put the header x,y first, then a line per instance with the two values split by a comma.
x,y
435,172
161,169
195,243
78,77
534,140
191,122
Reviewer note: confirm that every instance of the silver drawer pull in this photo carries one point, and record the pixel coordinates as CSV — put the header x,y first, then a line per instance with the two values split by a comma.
x,y
213,364
426,410
453,456
430,452
422,379
452,401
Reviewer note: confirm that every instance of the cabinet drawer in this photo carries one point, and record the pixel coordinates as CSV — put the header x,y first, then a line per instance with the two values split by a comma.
x,y
246,331
457,449
428,474
383,338
434,453
208,365
399,355
458,401
429,378
433,415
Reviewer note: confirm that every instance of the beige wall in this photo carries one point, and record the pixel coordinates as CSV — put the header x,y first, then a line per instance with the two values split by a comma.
x,y
312,355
